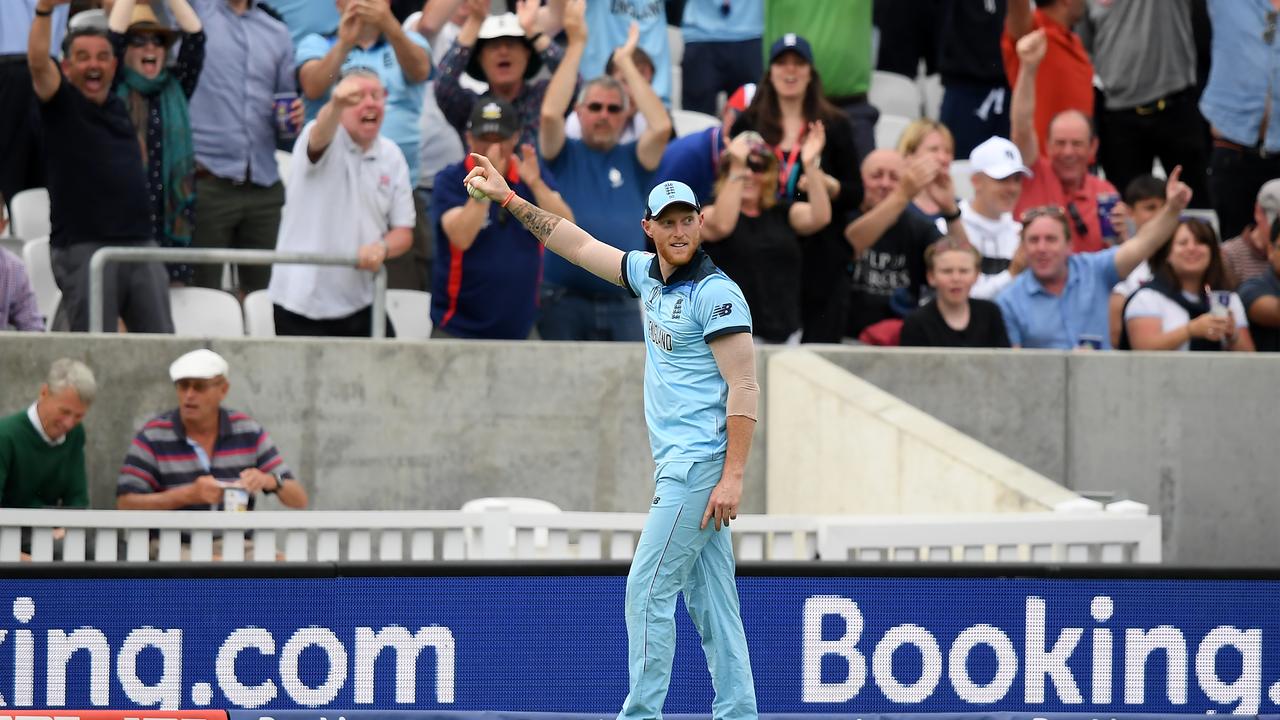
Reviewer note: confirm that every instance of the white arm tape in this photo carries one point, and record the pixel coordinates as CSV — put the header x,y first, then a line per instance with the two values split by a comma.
x,y
736,357
578,247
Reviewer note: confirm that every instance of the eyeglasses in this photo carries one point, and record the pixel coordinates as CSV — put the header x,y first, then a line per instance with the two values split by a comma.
x,y
145,39
1049,211
596,107
1081,228
199,385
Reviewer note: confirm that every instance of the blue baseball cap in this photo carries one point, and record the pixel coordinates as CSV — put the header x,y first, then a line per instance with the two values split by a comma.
x,y
669,193
791,42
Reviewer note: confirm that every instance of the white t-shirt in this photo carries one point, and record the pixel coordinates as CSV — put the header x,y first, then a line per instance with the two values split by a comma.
x,y
1140,274
1148,302
995,239
347,199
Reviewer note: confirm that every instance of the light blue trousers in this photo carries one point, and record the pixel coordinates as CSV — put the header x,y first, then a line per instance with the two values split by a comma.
x,y
675,556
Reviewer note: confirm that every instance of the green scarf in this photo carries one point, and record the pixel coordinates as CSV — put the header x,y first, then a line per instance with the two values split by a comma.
x,y
178,160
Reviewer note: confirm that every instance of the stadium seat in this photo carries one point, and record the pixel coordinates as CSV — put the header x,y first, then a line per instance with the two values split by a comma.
x,y
931,91
962,177
895,94
688,122
30,214
410,313
511,505
204,312
888,129
35,255
283,160
259,317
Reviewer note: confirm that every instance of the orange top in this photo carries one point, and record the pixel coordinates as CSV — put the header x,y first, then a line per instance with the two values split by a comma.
x,y
1046,189
1065,78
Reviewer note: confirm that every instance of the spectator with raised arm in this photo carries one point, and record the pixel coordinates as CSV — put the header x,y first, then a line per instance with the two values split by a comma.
x,y
889,238
602,180
505,51
349,194
156,96
694,159
1068,69
953,318
756,239
611,26
21,138
931,139
186,458
1180,308
1143,199
633,124
97,186
988,221
248,61
486,283
1062,301
1060,177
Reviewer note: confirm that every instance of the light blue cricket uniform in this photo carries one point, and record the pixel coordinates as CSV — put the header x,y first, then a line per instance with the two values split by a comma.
x,y
684,405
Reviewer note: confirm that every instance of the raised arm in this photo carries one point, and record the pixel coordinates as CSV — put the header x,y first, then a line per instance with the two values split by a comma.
x,y
1022,107
344,96
653,141
720,218
46,78
809,217
414,61
315,77
435,15
555,103
1018,21
873,224
183,14
1158,230
121,14
559,235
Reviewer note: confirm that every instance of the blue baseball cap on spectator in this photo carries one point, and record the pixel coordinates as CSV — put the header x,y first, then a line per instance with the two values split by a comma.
x,y
670,193
791,42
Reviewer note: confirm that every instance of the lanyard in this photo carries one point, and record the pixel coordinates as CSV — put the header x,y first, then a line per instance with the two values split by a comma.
x,y
785,187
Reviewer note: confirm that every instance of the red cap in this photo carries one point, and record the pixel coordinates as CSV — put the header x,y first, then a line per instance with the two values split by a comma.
x,y
742,97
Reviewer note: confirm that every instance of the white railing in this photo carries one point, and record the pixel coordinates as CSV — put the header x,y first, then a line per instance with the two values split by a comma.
x,y
329,536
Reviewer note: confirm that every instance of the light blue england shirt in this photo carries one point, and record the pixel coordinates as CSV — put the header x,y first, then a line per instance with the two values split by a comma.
x,y
684,393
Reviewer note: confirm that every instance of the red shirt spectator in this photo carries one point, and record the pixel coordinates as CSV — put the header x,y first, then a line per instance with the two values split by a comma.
x,y
1066,60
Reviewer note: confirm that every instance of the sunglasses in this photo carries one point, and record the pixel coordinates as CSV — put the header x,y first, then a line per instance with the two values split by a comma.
x,y
756,164
145,39
596,107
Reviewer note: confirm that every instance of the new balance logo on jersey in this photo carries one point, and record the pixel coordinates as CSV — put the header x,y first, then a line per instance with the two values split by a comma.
x,y
675,311
722,310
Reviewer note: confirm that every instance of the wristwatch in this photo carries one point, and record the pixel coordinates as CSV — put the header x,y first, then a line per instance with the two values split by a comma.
x,y
952,216
279,484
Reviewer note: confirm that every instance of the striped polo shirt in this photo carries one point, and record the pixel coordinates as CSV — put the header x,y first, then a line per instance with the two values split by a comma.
x,y
162,457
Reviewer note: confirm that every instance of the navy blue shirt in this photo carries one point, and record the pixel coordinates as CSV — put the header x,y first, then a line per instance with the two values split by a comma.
x,y
490,290
607,193
692,160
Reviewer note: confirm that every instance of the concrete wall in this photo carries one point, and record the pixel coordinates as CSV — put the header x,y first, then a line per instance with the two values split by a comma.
x,y
845,446
431,425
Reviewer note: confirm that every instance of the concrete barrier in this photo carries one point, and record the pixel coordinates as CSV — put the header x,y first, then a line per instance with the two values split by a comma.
x,y
403,425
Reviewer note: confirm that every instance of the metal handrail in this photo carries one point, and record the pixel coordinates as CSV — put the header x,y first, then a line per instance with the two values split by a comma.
x,y
98,263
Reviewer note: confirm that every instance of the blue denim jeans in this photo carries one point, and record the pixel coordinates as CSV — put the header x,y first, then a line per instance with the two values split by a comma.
x,y
568,315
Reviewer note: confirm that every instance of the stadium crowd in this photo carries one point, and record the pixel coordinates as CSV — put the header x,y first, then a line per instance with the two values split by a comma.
x,y
157,122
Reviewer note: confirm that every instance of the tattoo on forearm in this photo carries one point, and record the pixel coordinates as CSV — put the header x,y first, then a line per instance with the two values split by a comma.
x,y
539,222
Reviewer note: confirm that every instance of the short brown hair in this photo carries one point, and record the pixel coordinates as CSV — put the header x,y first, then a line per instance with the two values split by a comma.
x,y
948,243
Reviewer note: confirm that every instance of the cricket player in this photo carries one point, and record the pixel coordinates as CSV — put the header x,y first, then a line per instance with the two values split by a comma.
x,y
700,404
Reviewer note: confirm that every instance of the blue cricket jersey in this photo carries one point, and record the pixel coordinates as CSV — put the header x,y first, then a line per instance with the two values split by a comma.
x,y
684,393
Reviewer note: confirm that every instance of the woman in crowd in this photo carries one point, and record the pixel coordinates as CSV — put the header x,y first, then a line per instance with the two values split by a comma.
x,y
925,138
1182,307
156,96
755,238
788,101
952,318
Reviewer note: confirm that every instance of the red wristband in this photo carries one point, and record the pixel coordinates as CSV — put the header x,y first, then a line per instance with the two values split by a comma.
x,y
507,199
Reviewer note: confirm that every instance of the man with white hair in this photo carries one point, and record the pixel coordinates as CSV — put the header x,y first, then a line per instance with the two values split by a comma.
x,y
186,458
42,448
998,172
